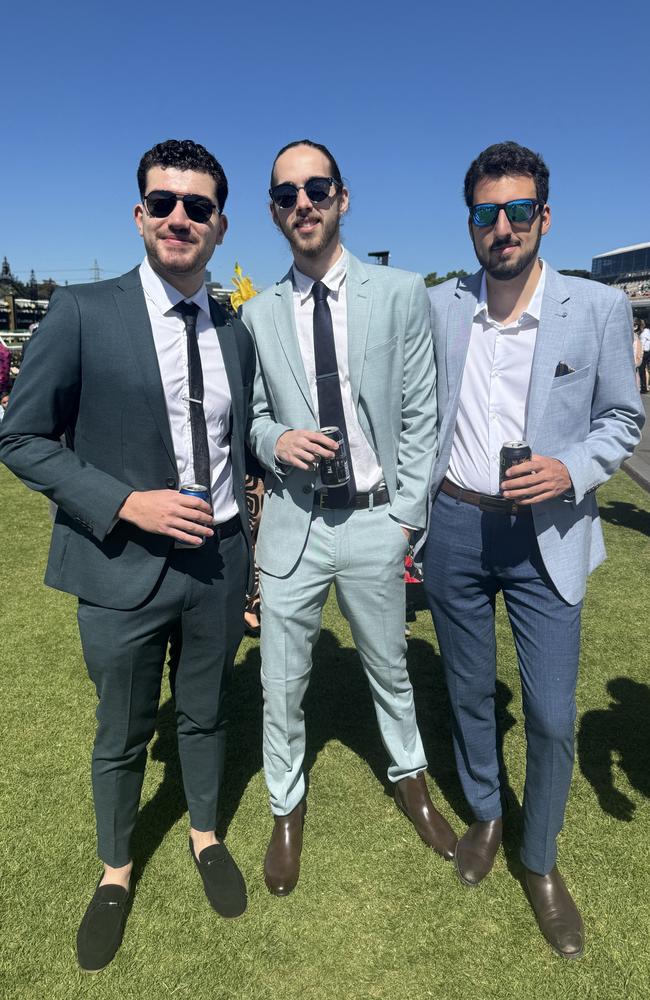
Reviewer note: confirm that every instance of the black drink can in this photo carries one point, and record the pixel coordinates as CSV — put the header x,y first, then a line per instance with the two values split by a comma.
x,y
512,453
335,471
202,493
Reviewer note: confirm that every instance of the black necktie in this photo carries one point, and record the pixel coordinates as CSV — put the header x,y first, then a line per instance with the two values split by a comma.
x,y
198,428
328,387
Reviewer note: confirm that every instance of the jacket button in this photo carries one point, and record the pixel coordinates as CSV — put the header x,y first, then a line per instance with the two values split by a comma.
x,y
170,483
307,489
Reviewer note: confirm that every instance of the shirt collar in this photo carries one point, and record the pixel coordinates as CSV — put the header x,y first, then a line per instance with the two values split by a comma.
x,y
333,279
532,312
164,296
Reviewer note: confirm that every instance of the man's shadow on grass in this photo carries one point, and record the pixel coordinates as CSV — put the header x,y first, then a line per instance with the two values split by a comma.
x,y
617,735
626,515
338,705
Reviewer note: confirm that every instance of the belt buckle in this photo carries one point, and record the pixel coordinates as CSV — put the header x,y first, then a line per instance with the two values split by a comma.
x,y
495,505
322,497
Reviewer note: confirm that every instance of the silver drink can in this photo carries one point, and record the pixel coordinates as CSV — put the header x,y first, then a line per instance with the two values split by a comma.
x,y
335,471
202,493
512,453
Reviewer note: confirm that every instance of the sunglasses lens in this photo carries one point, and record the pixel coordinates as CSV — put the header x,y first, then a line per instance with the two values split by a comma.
x,y
160,204
484,215
198,209
284,195
318,188
520,211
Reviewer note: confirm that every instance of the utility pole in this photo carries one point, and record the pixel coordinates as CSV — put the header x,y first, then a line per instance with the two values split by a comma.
x,y
96,271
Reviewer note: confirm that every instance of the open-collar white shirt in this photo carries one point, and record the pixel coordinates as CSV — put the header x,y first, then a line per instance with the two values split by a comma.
x,y
170,341
494,392
367,471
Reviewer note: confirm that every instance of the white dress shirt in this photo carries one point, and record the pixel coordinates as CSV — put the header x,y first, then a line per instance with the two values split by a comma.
x,y
367,471
645,339
170,340
494,392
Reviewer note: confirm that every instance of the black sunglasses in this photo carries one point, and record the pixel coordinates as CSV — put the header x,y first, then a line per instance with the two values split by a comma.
x,y
160,204
519,210
316,188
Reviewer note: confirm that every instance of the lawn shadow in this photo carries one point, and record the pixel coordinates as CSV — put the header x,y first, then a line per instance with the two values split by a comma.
x,y
617,735
626,515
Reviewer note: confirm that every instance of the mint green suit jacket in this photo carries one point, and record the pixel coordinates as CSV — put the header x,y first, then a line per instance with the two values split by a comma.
x,y
392,373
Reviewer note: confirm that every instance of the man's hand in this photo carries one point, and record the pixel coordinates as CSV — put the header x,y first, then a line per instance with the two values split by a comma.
x,y
304,449
541,478
166,512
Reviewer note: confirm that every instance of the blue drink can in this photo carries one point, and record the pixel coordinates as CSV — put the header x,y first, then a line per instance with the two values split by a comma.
x,y
202,493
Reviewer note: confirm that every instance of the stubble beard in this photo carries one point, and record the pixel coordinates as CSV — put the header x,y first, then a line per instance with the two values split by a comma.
x,y
329,236
506,270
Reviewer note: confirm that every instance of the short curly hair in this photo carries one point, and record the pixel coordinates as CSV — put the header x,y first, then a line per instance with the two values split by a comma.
x,y
184,154
507,159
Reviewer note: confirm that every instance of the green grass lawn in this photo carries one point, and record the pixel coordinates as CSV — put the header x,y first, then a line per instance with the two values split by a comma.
x,y
375,915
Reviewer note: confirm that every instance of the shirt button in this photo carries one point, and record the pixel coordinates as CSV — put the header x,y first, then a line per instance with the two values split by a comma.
x,y
307,489
170,483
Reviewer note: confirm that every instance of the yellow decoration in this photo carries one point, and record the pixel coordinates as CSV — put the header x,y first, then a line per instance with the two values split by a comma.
x,y
244,289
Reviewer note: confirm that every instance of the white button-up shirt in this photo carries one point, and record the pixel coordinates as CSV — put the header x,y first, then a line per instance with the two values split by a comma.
x,y
494,392
367,471
170,340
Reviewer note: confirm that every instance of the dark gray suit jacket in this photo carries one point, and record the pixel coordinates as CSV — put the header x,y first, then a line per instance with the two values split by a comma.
x,y
92,373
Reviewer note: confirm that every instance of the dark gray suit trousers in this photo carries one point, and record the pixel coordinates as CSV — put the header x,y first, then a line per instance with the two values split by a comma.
x,y
199,600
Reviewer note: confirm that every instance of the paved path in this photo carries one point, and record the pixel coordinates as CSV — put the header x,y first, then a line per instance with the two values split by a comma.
x,y
638,467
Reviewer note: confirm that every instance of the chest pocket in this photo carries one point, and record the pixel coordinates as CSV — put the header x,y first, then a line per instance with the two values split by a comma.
x,y
387,348
571,378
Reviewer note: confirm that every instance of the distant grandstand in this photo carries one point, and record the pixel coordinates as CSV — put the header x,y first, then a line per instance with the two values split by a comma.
x,y
628,269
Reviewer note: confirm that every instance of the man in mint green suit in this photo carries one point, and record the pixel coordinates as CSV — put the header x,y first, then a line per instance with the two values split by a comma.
x,y
346,344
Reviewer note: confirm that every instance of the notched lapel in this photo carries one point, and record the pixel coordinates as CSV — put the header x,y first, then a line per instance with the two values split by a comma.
x,y
285,329
132,308
548,349
226,336
460,318
359,301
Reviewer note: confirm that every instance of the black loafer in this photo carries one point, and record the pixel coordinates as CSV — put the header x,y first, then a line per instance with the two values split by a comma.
x,y
222,880
100,932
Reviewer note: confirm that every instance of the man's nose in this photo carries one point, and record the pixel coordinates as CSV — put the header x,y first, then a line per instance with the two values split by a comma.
x,y
502,226
178,217
302,201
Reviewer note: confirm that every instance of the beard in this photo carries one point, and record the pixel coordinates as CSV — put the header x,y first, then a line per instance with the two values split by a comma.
x,y
168,261
318,242
505,270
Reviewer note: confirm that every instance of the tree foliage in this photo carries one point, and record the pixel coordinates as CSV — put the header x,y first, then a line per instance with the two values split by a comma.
x,y
435,279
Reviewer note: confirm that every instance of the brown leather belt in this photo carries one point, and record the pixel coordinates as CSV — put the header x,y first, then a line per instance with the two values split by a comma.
x,y
492,504
360,501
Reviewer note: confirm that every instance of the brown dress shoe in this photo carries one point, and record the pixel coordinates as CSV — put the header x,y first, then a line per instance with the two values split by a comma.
x,y
282,861
557,915
412,797
476,850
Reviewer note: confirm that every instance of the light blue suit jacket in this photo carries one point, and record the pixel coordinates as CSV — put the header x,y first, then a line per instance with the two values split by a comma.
x,y
392,375
590,419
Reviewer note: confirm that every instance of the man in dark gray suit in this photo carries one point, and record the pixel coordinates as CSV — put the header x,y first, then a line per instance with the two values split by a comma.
x,y
149,380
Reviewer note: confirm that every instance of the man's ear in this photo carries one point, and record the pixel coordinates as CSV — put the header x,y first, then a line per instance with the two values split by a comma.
x,y
138,212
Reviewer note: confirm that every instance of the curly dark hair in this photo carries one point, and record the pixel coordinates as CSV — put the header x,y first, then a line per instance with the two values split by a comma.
x,y
334,167
183,154
507,159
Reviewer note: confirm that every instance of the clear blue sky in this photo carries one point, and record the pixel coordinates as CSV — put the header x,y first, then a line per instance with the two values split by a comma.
x,y
405,94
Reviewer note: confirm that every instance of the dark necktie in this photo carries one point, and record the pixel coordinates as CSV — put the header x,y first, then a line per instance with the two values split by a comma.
x,y
198,428
328,387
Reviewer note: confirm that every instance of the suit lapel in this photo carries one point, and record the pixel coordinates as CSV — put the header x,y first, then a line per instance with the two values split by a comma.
x,y
132,308
285,329
226,336
548,349
460,319
359,300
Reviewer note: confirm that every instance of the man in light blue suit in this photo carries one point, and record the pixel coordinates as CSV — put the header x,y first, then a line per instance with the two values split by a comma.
x,y
339,343
522,353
